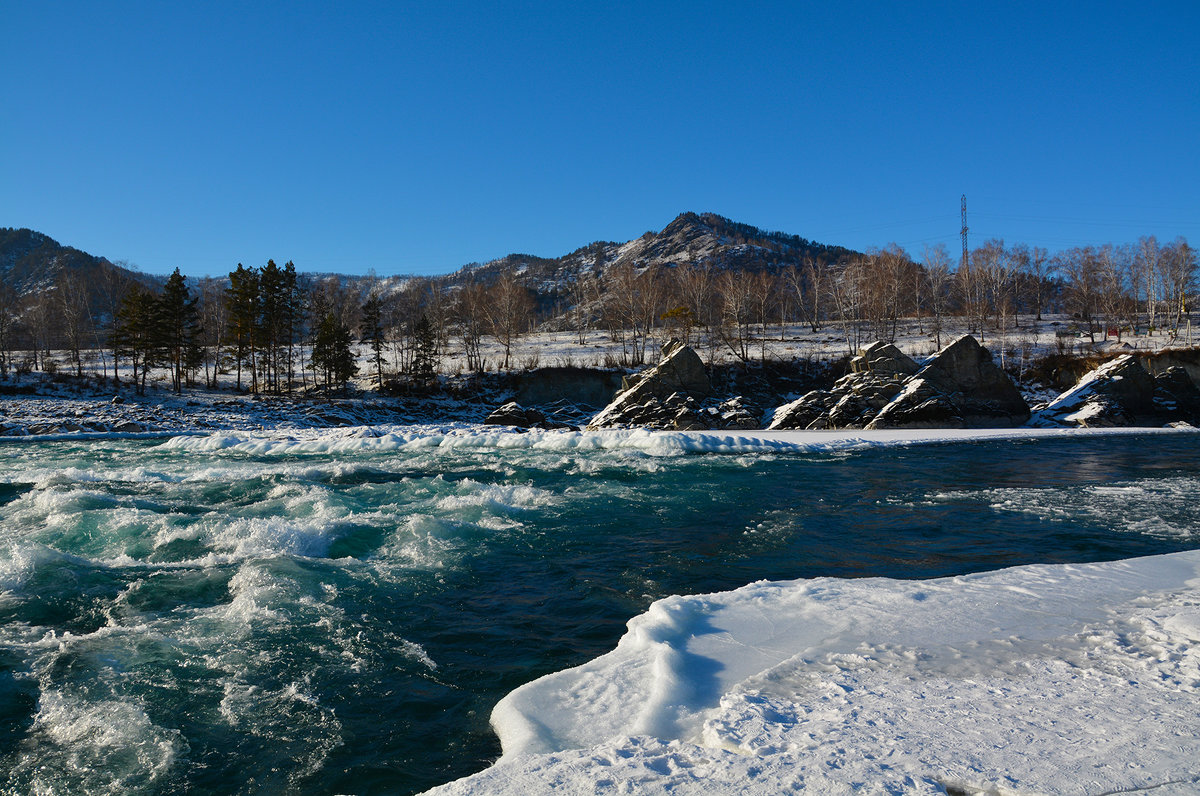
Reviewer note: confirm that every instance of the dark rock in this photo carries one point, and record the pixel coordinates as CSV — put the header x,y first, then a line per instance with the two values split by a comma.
x,y
963,384
1176,397
876,376
802,412
1186,358
736,414
513,414
1118,393
678,376
676,412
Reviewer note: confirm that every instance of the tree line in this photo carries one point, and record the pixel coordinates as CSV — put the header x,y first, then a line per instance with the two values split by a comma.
x,y
272,330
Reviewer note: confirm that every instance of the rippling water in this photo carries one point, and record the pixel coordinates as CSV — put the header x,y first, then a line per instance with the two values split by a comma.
x,y
215,616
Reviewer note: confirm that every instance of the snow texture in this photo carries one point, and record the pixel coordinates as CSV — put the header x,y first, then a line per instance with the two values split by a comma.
x,y
1079,679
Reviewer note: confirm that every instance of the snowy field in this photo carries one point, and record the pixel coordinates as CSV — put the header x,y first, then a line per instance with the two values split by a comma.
x,y
61,406
1014,348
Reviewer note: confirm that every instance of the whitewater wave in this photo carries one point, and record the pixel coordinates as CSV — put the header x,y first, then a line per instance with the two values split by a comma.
x,y
654,443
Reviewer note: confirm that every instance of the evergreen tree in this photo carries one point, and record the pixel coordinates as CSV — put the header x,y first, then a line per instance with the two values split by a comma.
x,y
273,300
177,329
332,354
293,317
425,358
134,332
372,333
243,313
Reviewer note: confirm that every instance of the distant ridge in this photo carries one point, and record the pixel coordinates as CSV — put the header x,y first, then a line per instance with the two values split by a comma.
x,y
32,261
699,238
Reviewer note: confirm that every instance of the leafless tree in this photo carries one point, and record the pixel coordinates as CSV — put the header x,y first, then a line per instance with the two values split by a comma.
x,y
1178,268
937,276
1080,266
509,312
635,300
737,311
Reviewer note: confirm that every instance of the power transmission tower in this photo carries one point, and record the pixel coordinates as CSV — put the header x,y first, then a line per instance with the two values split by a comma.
x,y
966,267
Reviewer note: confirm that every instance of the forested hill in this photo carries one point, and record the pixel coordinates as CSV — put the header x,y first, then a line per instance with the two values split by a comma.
x,y
704,238
31,262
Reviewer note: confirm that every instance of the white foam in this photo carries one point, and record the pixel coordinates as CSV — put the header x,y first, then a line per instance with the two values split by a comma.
x,y
1047,679
106,746
653,443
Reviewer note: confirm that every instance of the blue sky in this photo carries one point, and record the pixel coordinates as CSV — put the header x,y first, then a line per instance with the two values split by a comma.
x,y
415,137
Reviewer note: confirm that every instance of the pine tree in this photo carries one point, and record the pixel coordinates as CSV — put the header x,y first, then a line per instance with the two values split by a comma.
x,y
372,333
332,353
134,333
177,329
273,300
243,311
425,359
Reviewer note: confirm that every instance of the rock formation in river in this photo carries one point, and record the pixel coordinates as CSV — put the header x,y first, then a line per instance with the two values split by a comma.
x,y
959,387
665,396
1121,392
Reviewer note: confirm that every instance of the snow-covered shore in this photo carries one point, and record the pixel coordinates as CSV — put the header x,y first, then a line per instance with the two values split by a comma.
x,y
1039,679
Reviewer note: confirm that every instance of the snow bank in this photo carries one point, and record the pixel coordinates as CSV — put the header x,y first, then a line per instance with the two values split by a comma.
x,y
1038,679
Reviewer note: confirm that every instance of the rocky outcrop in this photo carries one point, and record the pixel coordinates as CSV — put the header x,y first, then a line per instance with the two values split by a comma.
x,y
1122,392
517,416
883,359
960,387
1176,396
659,397
1186,358
877,375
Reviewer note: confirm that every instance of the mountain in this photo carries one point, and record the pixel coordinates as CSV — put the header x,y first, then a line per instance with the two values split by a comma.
x,y
704,238
31,262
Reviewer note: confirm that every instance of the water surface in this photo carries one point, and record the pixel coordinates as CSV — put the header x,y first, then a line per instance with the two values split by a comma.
x,y
304,618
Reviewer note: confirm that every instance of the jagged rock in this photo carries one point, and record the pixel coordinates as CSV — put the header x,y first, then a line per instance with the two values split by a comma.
x,y
1176,396
802,412
876,376
1118,393
1186,358
676,412
513,414
680,373
920,405
735,414
883,359
959,387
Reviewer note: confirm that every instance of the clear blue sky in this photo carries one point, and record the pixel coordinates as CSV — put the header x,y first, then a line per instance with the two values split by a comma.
x,y
412,137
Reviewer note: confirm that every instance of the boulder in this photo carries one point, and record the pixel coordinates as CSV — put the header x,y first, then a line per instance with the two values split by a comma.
x,y
959,387
876,376
802,412
1176,396
679,375
737,413
513,414
883,359
1118,393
